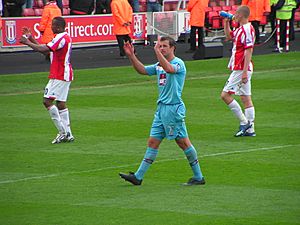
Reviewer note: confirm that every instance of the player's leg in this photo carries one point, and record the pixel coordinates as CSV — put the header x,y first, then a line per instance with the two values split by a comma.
x,y
174,125
233,86
56,90
61,99
65,117
235,107
54,115
191,155
245,95
149,157
156,137
249,113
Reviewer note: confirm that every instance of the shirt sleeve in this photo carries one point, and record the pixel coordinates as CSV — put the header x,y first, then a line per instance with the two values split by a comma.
x,y
151,69
249,39
57,43
178,67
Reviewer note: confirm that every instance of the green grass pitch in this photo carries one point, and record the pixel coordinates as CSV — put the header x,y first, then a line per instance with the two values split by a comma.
x,y
249,180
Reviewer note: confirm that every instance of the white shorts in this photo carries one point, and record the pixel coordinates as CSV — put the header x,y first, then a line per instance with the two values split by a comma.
x,y
235,86
57,90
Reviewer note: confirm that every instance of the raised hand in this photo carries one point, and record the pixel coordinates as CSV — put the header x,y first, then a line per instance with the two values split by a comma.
x,y
157,45
128,48
26,31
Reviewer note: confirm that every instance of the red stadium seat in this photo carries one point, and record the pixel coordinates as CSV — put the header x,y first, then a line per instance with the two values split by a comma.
x,y
212,4
208,9
210,15
234,7
297,16
168,6
28,12
232,2
231,12
226,8
214,20
222,3
38,4
66,11
217,8
143,5
38,12
143,8
65,3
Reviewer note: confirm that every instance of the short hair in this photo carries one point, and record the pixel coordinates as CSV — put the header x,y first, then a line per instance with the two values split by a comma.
x,y
244,10
59,21
172,42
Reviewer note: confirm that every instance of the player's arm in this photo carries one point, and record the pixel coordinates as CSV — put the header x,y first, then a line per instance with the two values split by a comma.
x,y
163,62
36,47
136,63
247,60
27,32
227,29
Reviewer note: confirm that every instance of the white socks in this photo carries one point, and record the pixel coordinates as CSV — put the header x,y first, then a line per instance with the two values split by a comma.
x,y
250,115
54,114
237,110
64,115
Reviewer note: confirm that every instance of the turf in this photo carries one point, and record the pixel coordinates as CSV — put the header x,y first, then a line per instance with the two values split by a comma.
x,y
249,180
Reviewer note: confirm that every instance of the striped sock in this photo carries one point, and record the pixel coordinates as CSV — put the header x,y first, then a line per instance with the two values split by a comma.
x,y
149,158
191,155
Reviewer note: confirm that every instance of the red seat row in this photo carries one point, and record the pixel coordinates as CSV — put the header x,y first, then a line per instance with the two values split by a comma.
x,y
213,18
38,6
222,3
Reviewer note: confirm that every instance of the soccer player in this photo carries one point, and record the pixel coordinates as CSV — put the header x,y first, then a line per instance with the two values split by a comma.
x,y
239,82
60,77
169,117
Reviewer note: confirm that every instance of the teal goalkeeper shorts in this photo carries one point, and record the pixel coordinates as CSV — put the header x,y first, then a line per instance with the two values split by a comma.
x,y
169,122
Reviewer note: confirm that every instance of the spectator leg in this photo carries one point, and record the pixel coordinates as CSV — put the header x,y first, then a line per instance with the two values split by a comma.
x,y
200,36
255,25
193,38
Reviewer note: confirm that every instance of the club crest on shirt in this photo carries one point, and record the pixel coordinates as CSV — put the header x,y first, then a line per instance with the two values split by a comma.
x,y
162,79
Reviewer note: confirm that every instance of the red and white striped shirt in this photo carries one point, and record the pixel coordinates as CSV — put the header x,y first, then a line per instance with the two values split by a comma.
x,y
61,47
243,38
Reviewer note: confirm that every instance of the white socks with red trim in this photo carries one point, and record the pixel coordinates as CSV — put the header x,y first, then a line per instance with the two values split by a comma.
x,y
54,114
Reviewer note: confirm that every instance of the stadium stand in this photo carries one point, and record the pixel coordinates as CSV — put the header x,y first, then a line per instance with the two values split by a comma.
x,y
143,5
38,4
28,12
38,11
65,4
66,11
297,17
213,19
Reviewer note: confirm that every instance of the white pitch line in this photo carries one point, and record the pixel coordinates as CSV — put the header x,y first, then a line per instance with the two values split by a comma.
x,y
144,82
135,164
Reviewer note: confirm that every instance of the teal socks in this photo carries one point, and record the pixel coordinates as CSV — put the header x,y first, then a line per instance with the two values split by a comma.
x,y
149,158
191,155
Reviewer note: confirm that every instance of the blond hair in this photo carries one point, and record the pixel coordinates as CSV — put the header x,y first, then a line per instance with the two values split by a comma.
x,y
244,10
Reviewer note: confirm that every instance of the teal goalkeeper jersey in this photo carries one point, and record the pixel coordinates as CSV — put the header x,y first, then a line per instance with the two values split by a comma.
x,y
170,85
